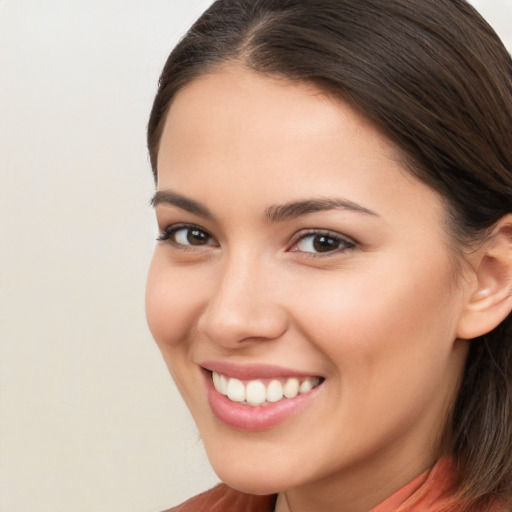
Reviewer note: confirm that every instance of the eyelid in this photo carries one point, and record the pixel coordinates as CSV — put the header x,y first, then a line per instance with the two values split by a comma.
x,y
350,243
347,243
167,233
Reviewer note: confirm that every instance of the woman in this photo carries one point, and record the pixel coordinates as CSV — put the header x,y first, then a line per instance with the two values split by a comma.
x,y
331,287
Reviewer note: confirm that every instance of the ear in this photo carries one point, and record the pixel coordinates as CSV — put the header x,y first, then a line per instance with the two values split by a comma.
x,y
489,300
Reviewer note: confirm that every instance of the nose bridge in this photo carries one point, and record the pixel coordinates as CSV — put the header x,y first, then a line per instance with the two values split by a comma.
x,y
243,305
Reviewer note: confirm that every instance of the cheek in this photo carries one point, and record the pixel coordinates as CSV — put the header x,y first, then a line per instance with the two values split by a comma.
x,y
396,315
173,300
388,338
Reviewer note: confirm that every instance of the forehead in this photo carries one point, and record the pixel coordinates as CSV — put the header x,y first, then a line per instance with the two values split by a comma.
x,y
279,140
243,101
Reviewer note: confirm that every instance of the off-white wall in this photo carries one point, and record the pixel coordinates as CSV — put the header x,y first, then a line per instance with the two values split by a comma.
x,y
89,419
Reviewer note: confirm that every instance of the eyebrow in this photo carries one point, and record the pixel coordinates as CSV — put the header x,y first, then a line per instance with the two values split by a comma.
x,y
277,213
299,208
174,199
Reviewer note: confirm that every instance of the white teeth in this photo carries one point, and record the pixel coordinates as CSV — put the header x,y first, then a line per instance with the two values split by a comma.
x,y
274,391
291,388
223,385
236,390
306,386
216,379
255,393
220,382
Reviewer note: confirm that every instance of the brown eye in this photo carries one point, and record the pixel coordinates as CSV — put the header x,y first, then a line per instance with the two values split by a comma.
x,y
318,243
322,243
187,236
192,236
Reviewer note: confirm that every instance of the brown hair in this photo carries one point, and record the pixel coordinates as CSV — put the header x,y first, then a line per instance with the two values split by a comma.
x,y
433,76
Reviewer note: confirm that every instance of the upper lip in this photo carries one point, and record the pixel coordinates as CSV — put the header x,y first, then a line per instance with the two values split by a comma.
x,y
252,371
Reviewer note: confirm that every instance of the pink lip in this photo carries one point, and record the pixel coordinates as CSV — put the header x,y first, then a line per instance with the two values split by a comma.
x,y
252,371
253,419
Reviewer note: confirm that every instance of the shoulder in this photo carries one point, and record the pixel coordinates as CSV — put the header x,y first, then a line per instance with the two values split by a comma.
x,y
225,499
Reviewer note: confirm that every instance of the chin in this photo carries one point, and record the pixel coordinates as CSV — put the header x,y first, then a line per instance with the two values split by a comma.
x,y
252,480
263,474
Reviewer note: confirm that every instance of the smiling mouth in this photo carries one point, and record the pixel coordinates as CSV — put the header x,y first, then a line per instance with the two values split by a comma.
x,y
262,392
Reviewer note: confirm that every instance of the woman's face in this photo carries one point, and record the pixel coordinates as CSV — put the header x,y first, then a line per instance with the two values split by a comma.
x,y
296,251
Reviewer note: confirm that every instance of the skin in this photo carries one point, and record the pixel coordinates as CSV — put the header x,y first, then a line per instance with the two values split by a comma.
x,y
376,317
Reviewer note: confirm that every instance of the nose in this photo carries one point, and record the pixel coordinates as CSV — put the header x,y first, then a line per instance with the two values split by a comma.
x,y
244,306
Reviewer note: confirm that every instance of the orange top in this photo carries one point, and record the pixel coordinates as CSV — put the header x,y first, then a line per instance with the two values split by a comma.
x,y
224,499
428,492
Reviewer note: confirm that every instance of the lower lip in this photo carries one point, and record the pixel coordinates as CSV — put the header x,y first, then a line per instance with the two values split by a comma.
x,y
253,419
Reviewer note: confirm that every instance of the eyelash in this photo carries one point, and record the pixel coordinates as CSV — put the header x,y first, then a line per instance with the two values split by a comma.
x,y
168,233
346,243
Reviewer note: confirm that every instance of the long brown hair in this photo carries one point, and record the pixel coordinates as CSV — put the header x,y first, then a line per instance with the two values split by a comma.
x,y
433,76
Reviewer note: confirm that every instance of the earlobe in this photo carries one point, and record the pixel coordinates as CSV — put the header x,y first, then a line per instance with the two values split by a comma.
x,y
490,300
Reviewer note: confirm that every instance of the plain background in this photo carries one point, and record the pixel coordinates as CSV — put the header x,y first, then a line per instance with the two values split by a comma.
x,y
89,418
